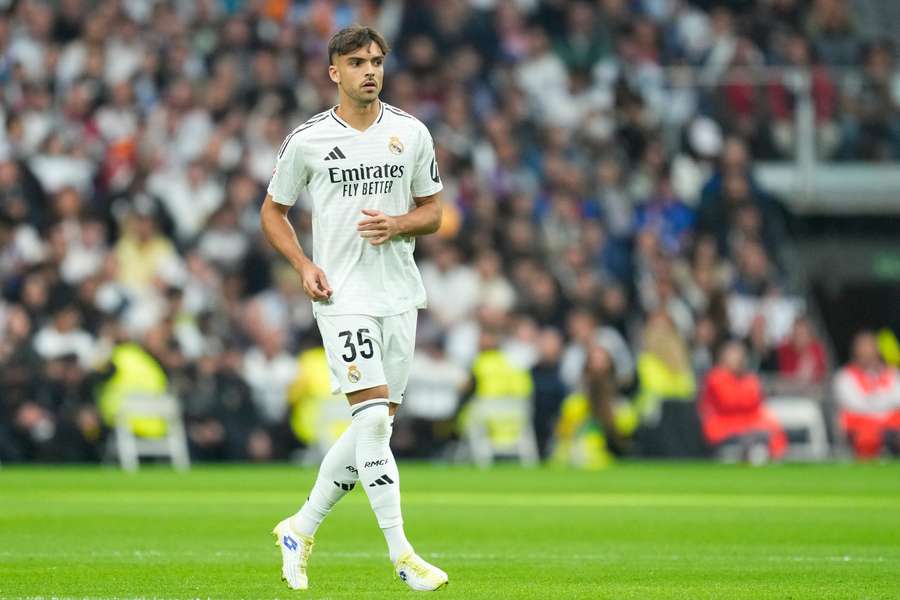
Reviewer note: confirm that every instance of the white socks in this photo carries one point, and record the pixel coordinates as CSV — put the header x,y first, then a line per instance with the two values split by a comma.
x,y
366,441
378,470
337,476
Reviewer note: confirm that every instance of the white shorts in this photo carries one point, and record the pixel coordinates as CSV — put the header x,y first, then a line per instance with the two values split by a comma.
x,y
365,352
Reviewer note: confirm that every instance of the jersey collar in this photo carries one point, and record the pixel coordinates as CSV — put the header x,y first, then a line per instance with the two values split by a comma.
x,y
347,125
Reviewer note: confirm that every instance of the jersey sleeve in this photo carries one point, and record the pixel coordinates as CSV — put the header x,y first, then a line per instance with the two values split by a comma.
x,y
289,175
426,179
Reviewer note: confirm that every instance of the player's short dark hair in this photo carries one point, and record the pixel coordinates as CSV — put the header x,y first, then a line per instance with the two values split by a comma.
x,y
351,39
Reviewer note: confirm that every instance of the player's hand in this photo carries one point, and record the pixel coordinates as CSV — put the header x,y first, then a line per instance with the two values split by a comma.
x,y
315,284
378,228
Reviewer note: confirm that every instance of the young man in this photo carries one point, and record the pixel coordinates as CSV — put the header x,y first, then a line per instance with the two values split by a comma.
x,y
371,172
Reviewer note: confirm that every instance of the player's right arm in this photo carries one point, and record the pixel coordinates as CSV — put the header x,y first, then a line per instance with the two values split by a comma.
x,y
287,179
280,233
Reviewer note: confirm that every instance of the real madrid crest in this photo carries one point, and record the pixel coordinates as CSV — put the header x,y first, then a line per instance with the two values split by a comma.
x,y
395,145
353,374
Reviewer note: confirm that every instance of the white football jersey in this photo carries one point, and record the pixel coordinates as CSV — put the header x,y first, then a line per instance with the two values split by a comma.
x,y
344,171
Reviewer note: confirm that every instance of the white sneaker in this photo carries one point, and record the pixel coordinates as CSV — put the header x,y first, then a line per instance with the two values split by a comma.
x,y
295,550
419,574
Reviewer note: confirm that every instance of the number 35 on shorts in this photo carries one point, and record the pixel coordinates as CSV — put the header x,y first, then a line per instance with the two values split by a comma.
x,y
365,351
356,343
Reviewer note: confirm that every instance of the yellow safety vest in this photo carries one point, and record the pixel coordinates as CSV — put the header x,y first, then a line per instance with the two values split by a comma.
x,y
136,372
496,377
307,393
658,382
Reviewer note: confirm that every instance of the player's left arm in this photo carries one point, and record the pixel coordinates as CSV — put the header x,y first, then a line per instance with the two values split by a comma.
x,y
425,218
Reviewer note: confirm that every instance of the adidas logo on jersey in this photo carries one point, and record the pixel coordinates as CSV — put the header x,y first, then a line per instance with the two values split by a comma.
x,y
335,154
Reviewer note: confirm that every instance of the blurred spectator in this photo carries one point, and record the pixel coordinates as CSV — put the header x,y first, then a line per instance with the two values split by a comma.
x,y
309,392
761,356
452,286
549,389
831,28
735,420
867,393
543,300
666,392
494,289
188,197
63,337
431,402
495,375
741,101
131,369
613,200
142,251
281,307
19,379
731,188
872,126
542,75
703,282
783,97
269,370
755,274
801,356
583,332
219,412
667,216
587,424
707,337
586,39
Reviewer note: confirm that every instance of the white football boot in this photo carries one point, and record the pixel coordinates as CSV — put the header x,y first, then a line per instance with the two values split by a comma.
x,y
295,551
419,574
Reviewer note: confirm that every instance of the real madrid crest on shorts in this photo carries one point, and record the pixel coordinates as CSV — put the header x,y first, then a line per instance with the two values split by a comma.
x,y
353,374
395,145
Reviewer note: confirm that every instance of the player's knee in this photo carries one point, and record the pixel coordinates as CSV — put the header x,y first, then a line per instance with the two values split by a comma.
x,y
374,419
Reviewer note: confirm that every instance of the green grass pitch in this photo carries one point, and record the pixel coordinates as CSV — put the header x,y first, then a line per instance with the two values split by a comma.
x,y
636,530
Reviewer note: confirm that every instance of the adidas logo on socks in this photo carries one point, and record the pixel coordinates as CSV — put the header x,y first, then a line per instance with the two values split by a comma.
x,y
383,480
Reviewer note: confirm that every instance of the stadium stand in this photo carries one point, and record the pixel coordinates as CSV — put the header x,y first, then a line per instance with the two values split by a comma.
x,y
623,187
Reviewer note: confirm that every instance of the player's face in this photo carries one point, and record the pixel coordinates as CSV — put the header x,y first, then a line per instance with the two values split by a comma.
x,y
360,74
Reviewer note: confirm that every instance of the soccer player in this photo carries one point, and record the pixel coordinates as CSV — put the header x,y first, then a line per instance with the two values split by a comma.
x,y
371,172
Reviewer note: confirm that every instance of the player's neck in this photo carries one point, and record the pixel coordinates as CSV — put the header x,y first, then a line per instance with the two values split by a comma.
x,y
358,116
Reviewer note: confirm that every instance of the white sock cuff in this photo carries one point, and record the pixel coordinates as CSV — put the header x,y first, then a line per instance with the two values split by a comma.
x,y
356,409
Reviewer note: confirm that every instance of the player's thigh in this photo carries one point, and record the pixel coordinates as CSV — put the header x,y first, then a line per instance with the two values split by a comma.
x,y
354,349
399,334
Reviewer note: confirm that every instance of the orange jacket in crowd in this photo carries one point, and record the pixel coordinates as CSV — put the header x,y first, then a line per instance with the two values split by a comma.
x,y
732,405
869,401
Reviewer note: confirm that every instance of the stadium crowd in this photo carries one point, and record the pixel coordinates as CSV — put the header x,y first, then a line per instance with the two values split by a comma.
x,y
604,236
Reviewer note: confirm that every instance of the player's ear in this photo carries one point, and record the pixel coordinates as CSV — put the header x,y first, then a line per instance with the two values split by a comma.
x,y
334,74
